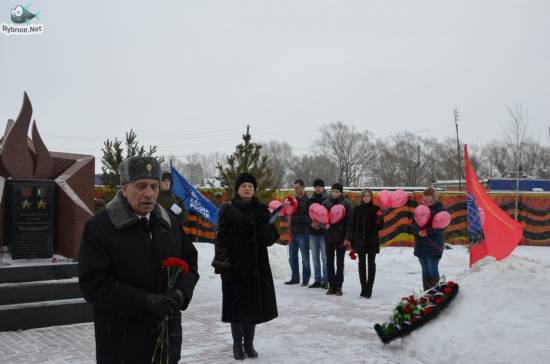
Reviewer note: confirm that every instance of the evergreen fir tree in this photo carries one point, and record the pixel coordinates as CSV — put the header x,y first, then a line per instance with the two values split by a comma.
x,y
247,158
113,155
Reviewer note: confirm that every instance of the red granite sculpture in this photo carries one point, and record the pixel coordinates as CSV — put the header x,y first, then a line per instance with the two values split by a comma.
x,y
24,158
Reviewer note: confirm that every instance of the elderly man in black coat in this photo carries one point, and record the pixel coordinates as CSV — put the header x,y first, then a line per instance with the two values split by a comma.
x,y
241,257
120,269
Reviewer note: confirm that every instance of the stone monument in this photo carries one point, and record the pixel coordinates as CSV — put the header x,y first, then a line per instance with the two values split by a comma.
x,y
45,197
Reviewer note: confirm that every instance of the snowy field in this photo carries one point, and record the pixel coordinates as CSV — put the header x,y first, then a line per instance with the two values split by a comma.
x,y
501,315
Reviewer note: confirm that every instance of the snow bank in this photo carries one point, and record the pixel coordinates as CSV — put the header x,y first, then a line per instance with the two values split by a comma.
x,y
501,315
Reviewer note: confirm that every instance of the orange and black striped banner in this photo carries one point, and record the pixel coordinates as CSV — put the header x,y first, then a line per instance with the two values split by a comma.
x,y
533,213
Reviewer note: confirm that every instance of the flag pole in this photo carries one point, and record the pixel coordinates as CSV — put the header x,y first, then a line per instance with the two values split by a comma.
x,y
458,151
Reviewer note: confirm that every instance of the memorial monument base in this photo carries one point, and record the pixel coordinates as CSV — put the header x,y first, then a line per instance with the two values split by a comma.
x,y
39,293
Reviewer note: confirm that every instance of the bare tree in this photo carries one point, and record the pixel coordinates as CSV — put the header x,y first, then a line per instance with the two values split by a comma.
x,y
515,134
210,161
517,153
384,169
542,165
279,157
410,160
499,158
349,148
309,168
191,167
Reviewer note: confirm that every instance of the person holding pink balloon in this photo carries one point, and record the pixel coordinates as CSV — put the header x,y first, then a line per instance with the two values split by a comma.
x,y
428,234
317,238
341,212
299,237
367,221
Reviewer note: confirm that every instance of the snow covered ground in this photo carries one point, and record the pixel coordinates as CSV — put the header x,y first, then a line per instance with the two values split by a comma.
x,y
501,315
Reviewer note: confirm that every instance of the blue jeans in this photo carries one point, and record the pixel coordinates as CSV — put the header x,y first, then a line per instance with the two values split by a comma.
x,y
318,256
429,266
299,242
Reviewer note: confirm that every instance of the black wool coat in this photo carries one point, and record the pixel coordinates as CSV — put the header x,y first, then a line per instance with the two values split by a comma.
x,y
119,264
241,257
367,221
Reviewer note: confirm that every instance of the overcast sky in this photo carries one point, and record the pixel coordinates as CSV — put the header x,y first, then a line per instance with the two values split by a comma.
x,y
189,75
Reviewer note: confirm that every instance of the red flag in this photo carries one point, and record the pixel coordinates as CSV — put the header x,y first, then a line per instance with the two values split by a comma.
x,y
491,231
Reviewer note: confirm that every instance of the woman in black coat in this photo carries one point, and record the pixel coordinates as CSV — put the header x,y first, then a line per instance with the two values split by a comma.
x,y
241,257
367,221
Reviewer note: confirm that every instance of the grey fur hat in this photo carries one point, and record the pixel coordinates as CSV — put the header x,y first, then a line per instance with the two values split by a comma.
x,y
135,168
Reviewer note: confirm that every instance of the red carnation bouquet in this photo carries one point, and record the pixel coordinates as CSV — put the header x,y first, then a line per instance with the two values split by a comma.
x,y
173,267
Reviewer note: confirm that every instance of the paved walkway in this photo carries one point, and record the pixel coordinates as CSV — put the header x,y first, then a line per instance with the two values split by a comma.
x,y
311,327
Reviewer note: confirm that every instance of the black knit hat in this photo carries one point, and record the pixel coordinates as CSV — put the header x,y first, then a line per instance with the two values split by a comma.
x,y
318,183
134,168
245,177
338,186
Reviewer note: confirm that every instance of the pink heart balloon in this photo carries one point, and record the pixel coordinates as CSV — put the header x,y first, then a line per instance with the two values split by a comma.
x,y
337,213
422,215
311,211
384,199
441,220
292,207
321,214
398,198
273,204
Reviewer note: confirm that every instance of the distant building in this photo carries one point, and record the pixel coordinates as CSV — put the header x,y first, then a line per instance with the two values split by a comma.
x,y
523,184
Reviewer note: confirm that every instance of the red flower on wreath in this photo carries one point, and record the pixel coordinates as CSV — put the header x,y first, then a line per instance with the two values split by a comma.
x,y
407,309
175,262
414,319
451,284
423,300
438,300
447,290
427,310
411,299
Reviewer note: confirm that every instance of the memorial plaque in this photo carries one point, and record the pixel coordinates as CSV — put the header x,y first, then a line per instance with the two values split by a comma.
x,y
30,213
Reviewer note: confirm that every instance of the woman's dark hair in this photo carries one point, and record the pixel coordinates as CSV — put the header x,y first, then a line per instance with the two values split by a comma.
x,y
364,191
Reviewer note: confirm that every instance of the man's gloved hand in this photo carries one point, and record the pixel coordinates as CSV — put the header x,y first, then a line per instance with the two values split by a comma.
x,y
160,304
179,297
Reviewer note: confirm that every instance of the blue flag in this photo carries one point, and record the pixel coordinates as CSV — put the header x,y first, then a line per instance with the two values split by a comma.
x,y
475,227
192,198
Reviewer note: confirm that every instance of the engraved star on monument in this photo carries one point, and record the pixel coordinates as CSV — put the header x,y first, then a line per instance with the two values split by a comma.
x,y
26,204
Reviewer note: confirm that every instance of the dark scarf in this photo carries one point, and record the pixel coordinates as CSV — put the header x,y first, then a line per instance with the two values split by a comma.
x,y
244,206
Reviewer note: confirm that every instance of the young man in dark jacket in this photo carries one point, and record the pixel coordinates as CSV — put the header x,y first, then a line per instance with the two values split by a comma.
x,y
299,227
120,271
335,234
317,238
